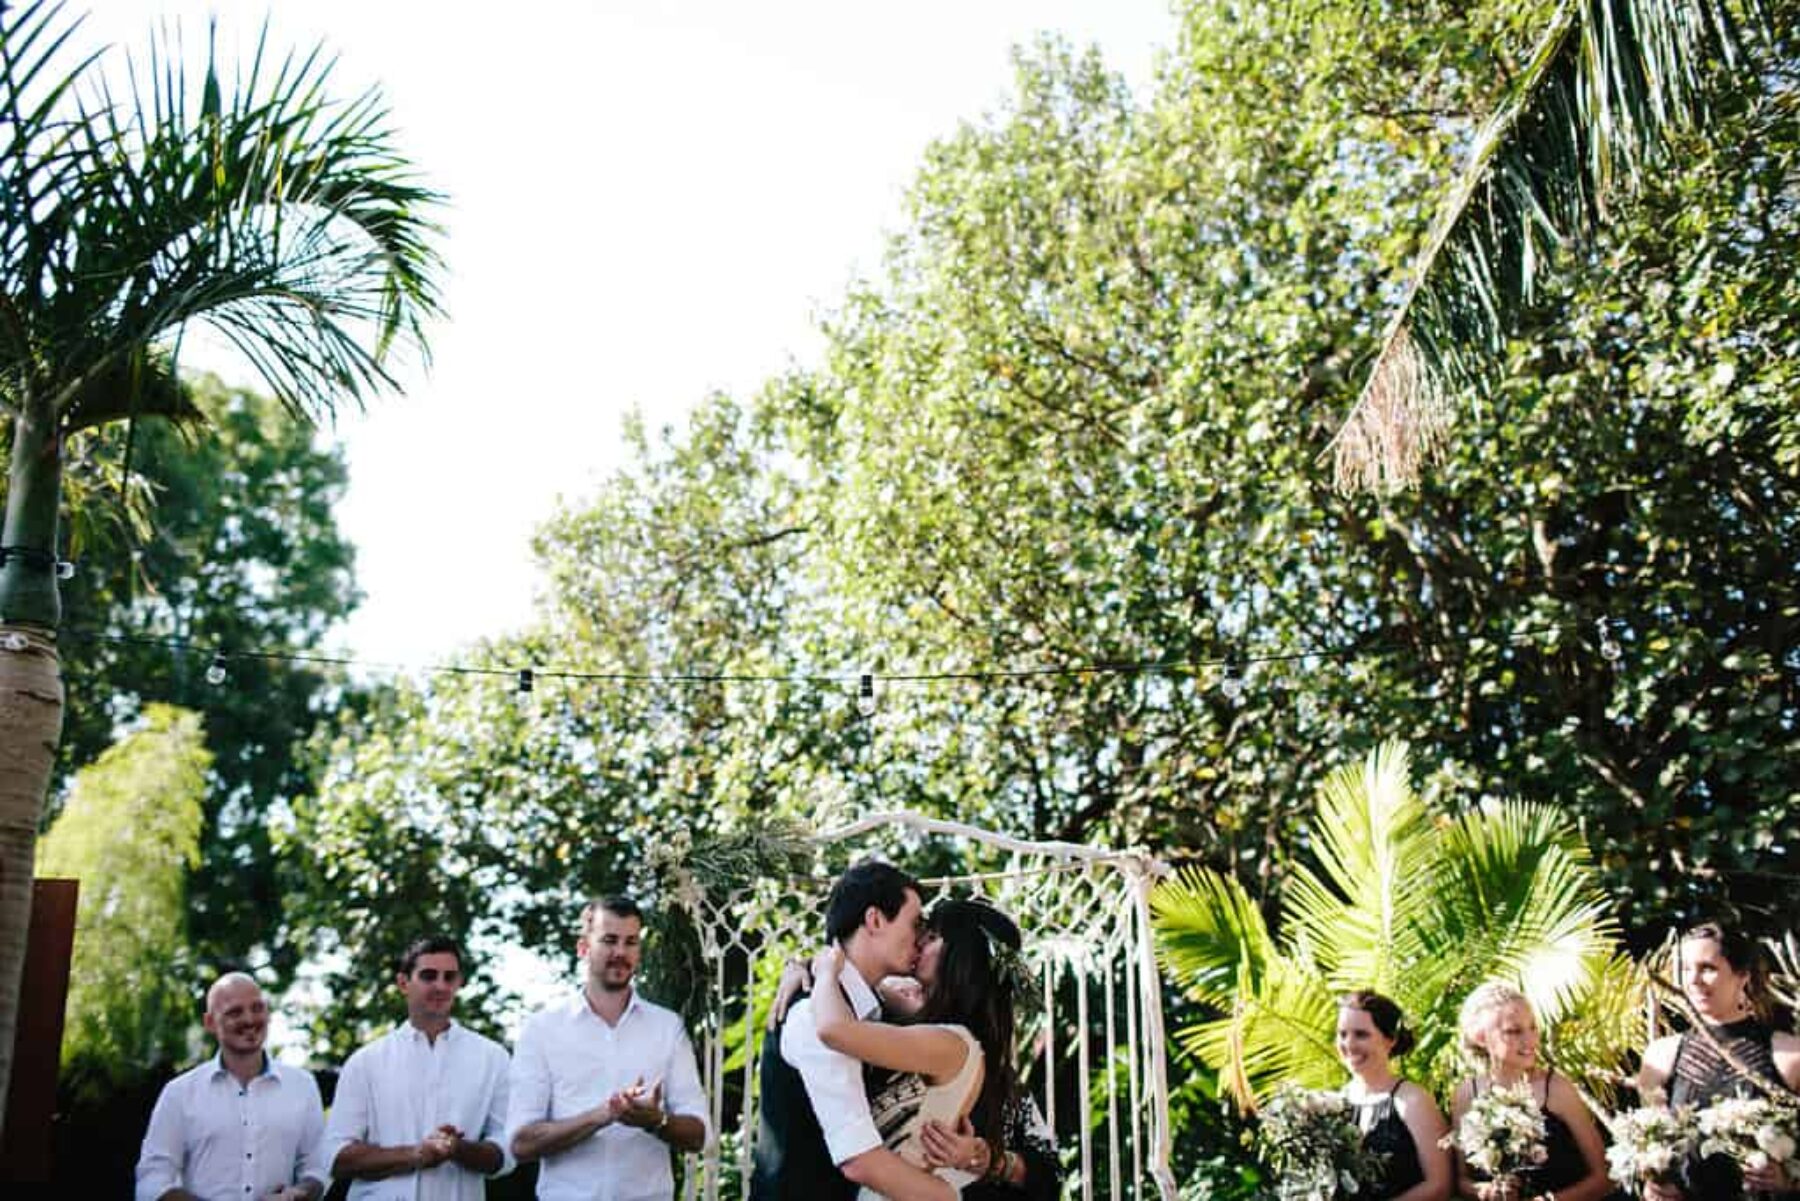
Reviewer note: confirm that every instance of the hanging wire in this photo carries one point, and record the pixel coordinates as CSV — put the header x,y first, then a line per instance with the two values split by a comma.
x,y
1236,664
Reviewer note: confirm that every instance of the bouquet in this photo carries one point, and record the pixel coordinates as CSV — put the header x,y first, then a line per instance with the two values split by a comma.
x,y
1650,1144
1312,1141
1502,1134
1756,1132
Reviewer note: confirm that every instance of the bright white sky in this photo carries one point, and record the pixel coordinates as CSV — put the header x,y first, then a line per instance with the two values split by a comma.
x,y
650,199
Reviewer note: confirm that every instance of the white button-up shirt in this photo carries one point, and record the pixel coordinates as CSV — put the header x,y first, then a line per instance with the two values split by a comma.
x,y
569,1060
223,1140
402,1087
833,1080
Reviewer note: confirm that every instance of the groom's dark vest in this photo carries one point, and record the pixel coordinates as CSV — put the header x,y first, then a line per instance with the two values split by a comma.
x,y
792,1162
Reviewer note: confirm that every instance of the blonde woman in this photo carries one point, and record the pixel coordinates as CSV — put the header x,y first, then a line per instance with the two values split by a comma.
x,y
1500,1034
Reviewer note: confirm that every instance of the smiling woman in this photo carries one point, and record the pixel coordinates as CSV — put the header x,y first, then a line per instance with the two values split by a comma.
x,y
1499,1030
1398,1118
1730,1051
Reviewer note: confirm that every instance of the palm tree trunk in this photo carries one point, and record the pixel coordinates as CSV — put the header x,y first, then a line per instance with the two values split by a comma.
x,y
31,694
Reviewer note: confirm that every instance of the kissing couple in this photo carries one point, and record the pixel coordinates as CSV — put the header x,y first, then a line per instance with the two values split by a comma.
x,y
895,1077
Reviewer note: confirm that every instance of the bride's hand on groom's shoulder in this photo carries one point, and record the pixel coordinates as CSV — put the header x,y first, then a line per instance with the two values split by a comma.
x,y
826,963
795,979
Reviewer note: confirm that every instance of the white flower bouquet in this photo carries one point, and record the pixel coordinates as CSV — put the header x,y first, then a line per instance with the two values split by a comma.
x,y
1650,1144
1311,1139
1502,1134
1756,1132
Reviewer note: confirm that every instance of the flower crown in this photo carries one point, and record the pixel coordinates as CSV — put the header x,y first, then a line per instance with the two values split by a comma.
x,y
1011,971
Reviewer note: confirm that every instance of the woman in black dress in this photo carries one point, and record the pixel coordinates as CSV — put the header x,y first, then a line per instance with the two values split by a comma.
x,y
1500,1033
1399,1119
1734,1052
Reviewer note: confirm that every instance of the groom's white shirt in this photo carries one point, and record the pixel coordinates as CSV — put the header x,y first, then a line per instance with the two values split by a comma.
x,y
834,1081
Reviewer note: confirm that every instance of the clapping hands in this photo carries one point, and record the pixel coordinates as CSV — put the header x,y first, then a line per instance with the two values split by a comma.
x,y
638,1105
438,1146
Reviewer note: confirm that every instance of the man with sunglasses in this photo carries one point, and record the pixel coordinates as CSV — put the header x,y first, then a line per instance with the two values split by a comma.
x,y
419,1112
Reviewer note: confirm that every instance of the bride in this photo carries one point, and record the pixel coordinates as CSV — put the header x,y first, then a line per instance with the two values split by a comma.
x,y
954,1058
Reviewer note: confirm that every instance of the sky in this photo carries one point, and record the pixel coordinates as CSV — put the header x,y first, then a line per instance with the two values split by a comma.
x,y
649,201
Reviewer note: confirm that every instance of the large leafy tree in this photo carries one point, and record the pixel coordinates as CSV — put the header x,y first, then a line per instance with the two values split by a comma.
x,y
1063,455
130,207
1390,900
236,550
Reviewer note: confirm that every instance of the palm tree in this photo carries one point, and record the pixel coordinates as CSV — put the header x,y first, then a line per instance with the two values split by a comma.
x,y
131,207
1589,118
1419,907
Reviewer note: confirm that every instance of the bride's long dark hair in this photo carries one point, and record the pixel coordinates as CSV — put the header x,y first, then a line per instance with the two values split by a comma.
x,y
968,991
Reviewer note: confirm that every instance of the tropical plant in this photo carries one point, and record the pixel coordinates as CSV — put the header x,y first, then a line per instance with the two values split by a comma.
x,y
130,208
1592,115
130,833
1418,907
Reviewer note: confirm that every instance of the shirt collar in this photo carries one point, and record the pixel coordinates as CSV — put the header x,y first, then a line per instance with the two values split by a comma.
x,y
580,1005
862,998
414,1034
268,1066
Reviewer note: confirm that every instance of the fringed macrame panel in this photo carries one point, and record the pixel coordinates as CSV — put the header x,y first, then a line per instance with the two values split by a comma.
x,y
1091,1056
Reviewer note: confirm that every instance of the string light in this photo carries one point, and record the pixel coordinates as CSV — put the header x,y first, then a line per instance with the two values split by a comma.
x,y
1231,687
16,641
1610,650
1236,667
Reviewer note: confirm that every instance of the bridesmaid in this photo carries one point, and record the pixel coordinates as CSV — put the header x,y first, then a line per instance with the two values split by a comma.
x,y
1738,1054
1397,1116
1500,1033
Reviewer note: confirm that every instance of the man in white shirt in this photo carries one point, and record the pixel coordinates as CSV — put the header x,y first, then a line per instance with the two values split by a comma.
x,y
818,1140
240,1127
420,1113
604,1084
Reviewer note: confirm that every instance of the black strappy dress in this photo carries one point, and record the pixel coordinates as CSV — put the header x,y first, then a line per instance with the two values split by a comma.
x,y
1702,1075
1385,1132
1562,1166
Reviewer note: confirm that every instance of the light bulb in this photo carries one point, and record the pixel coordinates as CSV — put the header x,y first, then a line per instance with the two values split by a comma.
x,y
215,671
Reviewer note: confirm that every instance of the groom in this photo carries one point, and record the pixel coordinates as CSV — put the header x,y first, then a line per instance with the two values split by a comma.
x,y
817,1140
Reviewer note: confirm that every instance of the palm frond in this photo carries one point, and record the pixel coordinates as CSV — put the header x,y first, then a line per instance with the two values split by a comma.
x,y
284,219
1372,840
1591,1042
1592,113
1515,899
1280,1031
1210,935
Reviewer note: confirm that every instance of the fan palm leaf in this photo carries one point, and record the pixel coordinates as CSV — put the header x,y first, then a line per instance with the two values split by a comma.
x,y
1592,113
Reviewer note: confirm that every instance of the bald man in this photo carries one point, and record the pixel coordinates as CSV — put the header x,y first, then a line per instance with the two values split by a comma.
x,y
240,1127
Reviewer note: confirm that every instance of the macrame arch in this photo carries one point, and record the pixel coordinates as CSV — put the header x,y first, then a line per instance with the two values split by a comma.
x,y
1093,1059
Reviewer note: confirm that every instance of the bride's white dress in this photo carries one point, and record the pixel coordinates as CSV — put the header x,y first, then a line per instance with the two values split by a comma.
x,y
906,1102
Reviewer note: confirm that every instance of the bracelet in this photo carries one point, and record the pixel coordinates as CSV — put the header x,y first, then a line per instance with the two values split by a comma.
x,y
660,1123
